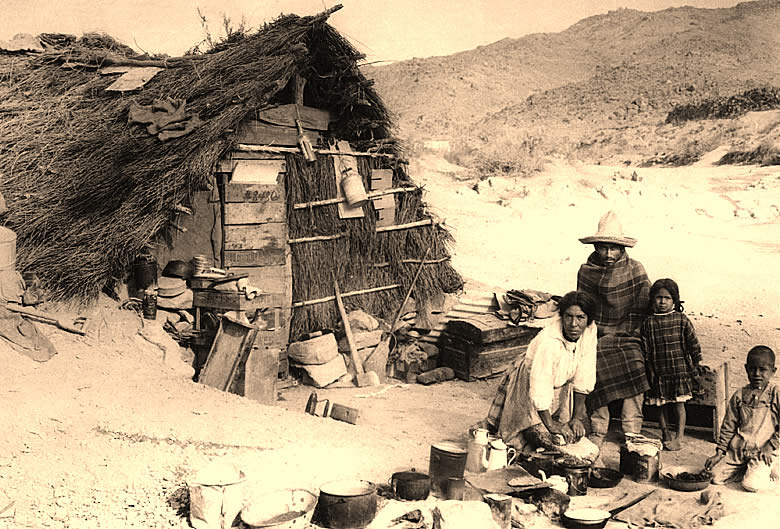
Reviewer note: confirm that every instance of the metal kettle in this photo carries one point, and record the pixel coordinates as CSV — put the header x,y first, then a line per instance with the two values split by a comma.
x,y
500,455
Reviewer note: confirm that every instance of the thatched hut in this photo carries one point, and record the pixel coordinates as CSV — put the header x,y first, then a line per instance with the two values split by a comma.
x,y
89,184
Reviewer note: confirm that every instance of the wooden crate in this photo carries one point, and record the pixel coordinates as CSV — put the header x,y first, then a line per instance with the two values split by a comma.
x,y
482,346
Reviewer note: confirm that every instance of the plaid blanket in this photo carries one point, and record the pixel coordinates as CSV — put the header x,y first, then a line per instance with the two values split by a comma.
x,y
621,292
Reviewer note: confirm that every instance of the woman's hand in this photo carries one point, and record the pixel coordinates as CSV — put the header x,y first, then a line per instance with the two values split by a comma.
x,y
577,427
563,429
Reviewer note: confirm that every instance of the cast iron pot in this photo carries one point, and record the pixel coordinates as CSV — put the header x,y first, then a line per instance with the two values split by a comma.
x,y
346,504
411,485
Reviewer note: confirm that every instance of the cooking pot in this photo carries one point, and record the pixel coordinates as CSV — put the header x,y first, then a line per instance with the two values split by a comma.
x,y
596,518
411,485
604,478
176,268
346,504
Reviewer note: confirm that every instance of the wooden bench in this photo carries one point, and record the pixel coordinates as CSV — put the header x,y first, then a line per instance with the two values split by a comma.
x,y
705,411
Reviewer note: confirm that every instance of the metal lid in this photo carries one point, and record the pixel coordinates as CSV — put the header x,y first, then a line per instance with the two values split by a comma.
x,y
451,447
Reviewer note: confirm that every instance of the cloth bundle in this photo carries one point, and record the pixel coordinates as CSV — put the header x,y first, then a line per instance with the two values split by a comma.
x,y
520,306
675,511
165,118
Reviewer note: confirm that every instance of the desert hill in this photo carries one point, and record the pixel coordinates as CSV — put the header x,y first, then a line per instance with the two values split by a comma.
x,y
620,70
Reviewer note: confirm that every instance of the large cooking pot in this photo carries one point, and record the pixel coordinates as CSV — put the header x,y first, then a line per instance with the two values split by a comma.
x,y
411,485
346,504
596,518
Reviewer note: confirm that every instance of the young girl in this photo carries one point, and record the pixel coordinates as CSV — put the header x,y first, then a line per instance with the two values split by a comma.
x,y
672,357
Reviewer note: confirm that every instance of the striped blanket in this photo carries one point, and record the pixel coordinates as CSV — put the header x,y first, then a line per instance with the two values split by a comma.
x,y
621,291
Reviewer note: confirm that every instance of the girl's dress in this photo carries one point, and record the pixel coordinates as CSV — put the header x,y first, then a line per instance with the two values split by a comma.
x,y
672,355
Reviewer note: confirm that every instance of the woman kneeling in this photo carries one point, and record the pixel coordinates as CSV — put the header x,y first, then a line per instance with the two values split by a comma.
x,y
544,394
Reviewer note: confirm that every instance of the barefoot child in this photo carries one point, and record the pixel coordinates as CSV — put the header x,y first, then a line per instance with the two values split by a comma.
x,y
749,438
672,355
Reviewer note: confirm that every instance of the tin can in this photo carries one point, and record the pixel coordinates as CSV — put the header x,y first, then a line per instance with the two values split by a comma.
x,y
643,468
149,305
500,508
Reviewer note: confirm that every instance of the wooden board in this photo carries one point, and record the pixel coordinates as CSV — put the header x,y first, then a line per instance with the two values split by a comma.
x,y
310,117
384,205
344,164
133,79
262,371
253,193
231,345
267,236
264,257
227,165
254,212
217,299
255,132
258,172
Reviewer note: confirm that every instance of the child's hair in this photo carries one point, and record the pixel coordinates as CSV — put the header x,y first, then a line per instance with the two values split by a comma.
x,y
762,351
670,287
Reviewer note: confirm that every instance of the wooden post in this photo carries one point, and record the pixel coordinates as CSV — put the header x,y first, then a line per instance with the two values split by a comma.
x,y
297,89
721,398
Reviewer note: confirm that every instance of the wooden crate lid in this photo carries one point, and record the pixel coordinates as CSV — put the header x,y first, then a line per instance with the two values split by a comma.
x,y
486,328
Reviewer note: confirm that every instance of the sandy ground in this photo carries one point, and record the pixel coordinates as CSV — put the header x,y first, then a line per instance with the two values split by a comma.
x,y
106,433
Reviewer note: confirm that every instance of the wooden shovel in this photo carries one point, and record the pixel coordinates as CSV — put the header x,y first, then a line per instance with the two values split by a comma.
x,y
362,378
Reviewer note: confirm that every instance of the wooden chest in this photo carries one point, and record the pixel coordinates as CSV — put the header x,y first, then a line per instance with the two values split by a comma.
x,y
482,346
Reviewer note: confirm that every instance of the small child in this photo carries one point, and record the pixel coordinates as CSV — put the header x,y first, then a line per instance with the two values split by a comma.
x,y
749,438
672,357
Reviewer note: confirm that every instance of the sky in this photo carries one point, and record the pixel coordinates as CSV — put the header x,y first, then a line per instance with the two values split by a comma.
x,y
385,30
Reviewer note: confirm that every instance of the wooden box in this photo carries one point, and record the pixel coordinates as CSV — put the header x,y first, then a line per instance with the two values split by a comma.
x,y
482,346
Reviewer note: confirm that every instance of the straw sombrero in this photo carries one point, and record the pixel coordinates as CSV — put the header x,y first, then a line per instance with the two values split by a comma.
x,y
609,230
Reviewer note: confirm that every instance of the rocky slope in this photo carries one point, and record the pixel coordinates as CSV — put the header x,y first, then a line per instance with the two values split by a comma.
x,y
620,70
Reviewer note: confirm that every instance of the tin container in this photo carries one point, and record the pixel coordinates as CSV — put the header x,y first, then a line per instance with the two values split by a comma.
x,y
644,469
149,305
448,460
145,272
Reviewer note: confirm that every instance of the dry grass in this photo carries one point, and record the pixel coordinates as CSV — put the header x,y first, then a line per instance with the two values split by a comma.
x,y
87,191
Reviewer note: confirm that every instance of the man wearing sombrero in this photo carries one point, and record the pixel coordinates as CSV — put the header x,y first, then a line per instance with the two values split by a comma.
x,y
621,288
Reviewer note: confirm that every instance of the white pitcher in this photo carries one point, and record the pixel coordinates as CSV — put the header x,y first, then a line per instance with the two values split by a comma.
x,y
500,455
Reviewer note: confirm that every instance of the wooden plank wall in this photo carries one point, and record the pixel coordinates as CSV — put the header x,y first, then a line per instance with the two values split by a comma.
x,y
255,243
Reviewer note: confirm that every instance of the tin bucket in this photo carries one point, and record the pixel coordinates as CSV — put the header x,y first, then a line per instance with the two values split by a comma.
x,y
216,496
448,460
354,192
7,249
